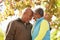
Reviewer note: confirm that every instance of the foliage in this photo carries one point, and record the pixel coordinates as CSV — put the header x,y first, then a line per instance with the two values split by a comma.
x,y
1,35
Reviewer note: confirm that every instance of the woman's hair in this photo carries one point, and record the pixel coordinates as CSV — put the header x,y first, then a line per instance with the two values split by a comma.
x,y
40,11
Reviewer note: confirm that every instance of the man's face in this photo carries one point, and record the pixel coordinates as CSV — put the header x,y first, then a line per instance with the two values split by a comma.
x,y
27,15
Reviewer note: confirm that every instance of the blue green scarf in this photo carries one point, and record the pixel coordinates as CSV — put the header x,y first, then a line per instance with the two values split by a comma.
x,y
37,28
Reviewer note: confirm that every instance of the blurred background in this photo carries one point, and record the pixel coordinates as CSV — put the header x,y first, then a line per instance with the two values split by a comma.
x,y
13,9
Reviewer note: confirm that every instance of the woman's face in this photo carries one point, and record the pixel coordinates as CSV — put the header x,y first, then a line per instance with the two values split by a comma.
x,y
36,16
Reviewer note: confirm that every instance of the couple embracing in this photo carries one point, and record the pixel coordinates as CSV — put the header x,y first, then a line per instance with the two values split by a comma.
x,y
21,29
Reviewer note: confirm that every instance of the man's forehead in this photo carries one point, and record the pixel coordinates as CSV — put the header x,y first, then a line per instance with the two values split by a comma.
x,y
28,9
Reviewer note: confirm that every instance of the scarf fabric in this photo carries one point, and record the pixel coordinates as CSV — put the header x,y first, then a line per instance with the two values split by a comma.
x,y
37,29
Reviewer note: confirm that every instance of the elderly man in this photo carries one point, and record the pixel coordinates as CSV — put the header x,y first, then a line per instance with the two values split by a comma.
x,y
20,29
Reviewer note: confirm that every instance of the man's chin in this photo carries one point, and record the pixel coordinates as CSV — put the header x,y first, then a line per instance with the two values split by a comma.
x,y
27,21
